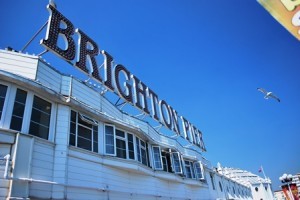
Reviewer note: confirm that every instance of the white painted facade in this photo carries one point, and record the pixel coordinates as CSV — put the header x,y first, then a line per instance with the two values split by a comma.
x,y
73,143
261,188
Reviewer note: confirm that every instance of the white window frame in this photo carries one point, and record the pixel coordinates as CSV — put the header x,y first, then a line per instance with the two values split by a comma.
x,y
192,169
201,170
127,145
28,113
145,149
88,119
7,106
10,114
139,147
114,140
124,139
173,162
157,161
91,122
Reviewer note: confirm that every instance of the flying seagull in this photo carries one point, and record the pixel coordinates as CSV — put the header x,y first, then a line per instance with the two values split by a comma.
x,y
268,94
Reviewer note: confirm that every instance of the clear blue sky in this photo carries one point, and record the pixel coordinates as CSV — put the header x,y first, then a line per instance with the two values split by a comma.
x,y
205,58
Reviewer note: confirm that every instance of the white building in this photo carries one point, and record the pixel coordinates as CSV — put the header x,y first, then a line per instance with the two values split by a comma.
x,y
279,195
261,188
60,138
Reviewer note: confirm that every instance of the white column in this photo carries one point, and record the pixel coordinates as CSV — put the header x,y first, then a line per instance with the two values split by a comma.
x,y
61,151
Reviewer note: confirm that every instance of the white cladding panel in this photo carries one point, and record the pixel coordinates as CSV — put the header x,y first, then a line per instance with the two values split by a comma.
x,y
4,184
20,64
42,168
100,180
48,77
110,109
85,94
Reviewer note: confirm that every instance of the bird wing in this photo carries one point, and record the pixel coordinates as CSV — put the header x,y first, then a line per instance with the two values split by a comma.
x,y
262,90
275,97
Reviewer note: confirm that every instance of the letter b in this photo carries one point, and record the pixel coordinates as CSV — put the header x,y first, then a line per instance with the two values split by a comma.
x,y
54,31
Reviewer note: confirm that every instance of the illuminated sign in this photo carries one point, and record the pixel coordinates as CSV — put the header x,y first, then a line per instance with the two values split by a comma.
x,y
287,12
116,77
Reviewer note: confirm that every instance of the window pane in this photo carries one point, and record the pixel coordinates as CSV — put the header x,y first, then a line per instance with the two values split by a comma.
x,y
176,163
84,132
84,143
95,147
198,170
18,110
130,146
165,165
109,140
138,150
84,123
72,139
3,90
41,105
95,138
121,148
120,133
157,158
16,123
40,118
73,116
38,130
144,156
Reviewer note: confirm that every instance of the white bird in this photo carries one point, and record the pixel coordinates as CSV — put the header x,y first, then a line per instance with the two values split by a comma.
x,y
268,94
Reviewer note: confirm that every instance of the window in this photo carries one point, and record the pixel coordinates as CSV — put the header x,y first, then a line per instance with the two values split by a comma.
x,y
130,145
212,180
138,151
3,90
121,144
220,185
176,163
110,140
142,152
166,159
189,169
199,170
40,118
18,110
157,158
83,133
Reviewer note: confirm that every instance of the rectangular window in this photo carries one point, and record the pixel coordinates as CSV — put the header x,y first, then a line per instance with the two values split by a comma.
x,y
138,150
110,140
3,90
143,152
18,110
212,180
40,118
130,145
157,159
176,163
189,169
199,170
83,133
120,144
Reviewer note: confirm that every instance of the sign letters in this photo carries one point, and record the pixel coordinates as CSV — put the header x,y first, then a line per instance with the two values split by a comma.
x,y
116,78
